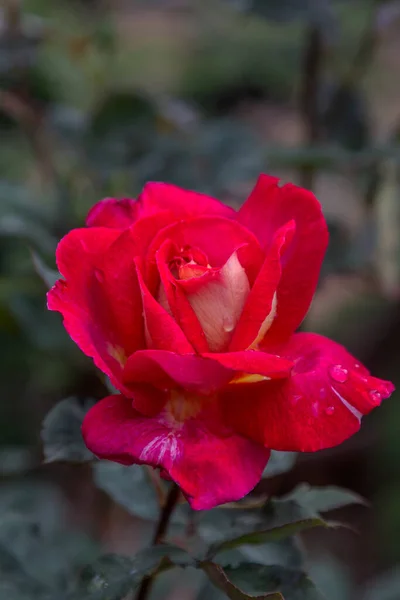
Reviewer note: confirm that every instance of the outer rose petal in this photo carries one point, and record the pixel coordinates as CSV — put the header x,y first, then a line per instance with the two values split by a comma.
x,y
200,374
211,464
264,212
320,406
113,212
83,302
182,203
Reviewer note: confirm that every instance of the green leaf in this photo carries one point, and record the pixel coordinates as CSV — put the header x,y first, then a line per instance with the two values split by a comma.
x,y
332,577
61,431
279,462
16,460
37,553
220,578
279,519
385,587
130,487
48,275
112,577
255,579
285,553
324,499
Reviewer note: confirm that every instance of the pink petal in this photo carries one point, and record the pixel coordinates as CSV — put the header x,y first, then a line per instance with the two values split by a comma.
x,y
182,203
268,208
87,306
200,374
216,237
211,464
161,330
262,306
174,301
251,362
169,370
318,407
113,212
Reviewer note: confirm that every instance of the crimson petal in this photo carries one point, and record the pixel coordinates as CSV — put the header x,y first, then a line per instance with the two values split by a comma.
x,y
212,466
268,208
319,406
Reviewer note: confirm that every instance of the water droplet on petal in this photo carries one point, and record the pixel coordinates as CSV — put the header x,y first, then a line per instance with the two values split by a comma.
x,y
322,392
99,275
330,410
357,366
227,324
376,397
338,373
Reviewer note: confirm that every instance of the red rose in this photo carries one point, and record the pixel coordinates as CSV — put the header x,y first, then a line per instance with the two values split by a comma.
x,y
190,307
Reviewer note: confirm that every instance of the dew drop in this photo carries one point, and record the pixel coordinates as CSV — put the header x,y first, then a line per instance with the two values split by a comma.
x,y
228,324
376,397
330,410
322,392
338,373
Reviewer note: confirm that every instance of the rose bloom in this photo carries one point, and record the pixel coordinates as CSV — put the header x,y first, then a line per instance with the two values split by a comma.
x,y
190,308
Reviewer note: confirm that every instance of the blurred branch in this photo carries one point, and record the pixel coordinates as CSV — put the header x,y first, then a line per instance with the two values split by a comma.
x,y
309,92
161,530
13,15
366,48
330,157
31,124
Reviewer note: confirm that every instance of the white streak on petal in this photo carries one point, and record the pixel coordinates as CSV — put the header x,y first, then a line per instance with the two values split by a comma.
x,y
351,408
266,324
162,445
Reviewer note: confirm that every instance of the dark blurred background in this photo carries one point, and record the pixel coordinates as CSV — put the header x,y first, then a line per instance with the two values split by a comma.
x,y
98,97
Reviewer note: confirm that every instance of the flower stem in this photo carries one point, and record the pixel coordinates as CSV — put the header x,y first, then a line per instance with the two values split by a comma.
x,y
161,529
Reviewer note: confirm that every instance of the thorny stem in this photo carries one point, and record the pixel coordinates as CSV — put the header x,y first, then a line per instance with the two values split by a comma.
x,y
161,529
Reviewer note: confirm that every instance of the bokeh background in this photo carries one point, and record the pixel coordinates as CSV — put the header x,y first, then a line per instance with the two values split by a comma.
x,y
98,97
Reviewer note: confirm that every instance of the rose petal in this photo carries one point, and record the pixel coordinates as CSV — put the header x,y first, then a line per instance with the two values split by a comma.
x,y
201,374
261,364
174,301
318,407
161,330
262,307
85,305
268,208
157,196
211,464
216,237
168,369
218,303
113,212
